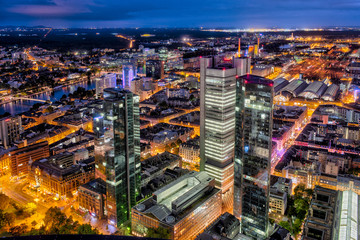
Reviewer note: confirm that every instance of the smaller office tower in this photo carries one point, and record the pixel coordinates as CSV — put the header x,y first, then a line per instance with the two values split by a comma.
x,y
155,69
128,74
117,126
10,130
253,148
105,81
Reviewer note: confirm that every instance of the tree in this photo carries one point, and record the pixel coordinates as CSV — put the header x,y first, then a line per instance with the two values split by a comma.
x,y
309,192
36,106
49,109
286,225
56,222
86,229
63,97
160,232
178,142
6,114
163,105
19,230
33,223
88,74
54,218
2,219
30,208
9,219
4,201
299,190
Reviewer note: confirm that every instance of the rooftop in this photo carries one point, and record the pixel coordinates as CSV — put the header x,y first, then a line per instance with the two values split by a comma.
x,y
253,79
174,201
97,185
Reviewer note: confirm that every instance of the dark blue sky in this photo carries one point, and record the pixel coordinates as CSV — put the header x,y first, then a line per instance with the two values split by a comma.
x,y
181,13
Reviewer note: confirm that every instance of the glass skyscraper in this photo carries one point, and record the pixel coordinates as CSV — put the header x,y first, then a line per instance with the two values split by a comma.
x,y
117,158
253,144
155,69
128,74
217,122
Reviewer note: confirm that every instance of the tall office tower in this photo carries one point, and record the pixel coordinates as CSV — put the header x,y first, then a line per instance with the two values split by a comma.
x,y
155,69
10,130
105,81
128,74
253,144
118,126
217,122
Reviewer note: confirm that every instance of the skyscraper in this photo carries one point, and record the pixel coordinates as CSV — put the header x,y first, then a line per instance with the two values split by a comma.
x,y
253,144
10,130
129,73
217,122
118,127
105,81
155,69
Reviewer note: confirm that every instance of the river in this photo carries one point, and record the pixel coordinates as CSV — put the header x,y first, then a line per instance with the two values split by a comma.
x,y
20,106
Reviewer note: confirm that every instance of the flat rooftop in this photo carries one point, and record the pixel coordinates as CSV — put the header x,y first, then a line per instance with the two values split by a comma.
x,y
174,201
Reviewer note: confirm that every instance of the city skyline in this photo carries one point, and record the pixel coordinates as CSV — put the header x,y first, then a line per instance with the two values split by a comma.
x,y
181,120
161,13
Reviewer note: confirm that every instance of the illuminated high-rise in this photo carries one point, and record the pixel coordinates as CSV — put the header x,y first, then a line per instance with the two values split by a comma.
x,y
128,74
10,130
253,144
105,81
155,69
217,122
117,158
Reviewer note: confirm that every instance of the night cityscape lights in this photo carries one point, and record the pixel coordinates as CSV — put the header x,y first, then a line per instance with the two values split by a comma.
x,y
120,123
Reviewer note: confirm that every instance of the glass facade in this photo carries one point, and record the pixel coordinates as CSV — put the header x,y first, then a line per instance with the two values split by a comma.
x,y
253,147
128,74
118,129
154,69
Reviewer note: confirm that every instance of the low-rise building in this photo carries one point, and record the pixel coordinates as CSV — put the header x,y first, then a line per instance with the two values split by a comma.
x,y
347,224
92,196
277,203
156,166
163,134
185,207
51,177
190,154
322,215
226,227
20,158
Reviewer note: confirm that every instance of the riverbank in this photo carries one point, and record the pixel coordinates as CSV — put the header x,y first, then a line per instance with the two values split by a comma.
x,y
19,106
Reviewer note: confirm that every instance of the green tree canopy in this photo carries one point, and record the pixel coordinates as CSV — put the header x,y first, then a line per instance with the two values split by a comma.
x,y
86,229
4,201
159,232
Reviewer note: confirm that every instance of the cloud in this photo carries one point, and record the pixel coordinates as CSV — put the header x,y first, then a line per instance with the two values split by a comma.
x,y
231,13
